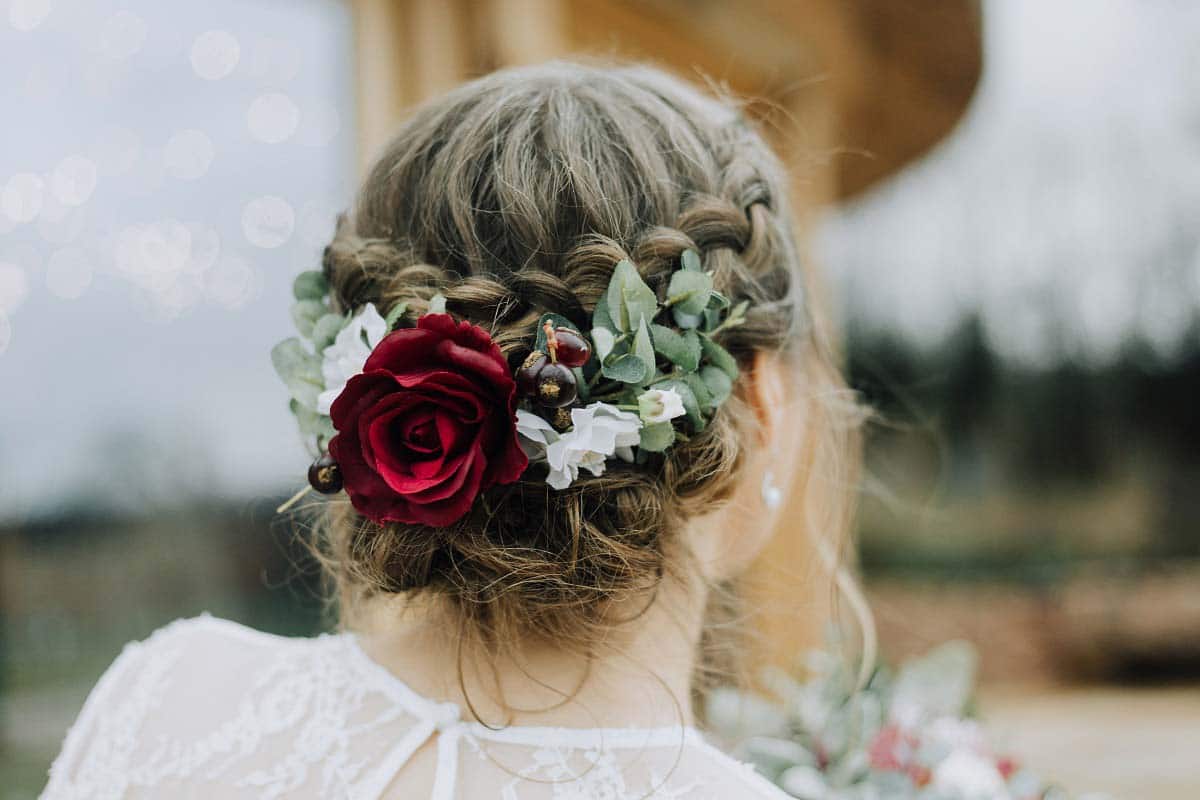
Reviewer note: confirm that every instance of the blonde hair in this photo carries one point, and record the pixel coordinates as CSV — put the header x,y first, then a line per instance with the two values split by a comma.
x,y
514,195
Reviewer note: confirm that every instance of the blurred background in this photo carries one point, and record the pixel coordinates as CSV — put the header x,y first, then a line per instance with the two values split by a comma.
x,y
1002,200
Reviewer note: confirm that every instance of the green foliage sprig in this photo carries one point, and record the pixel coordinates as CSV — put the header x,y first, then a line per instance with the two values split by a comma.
x,y
642,343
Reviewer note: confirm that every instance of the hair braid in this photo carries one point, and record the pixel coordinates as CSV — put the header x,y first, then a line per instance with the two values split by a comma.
x,y
517,195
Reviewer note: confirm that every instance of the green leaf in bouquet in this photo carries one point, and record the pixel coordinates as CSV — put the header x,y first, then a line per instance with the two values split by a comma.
x,y
394,314
690,260
305,314
643,348
699,388
604,341
581,382
300,370
437,304
718,384
310,285
806,782
312,423
629,298
719,357
326,329
627,368
602,317
689,291
685,320
939,683
657,437
683,350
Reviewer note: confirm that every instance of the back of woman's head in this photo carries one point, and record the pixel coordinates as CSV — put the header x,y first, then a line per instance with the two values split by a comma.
x,y
516,195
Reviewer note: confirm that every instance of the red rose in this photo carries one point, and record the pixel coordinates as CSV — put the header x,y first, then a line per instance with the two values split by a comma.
x,y
429,423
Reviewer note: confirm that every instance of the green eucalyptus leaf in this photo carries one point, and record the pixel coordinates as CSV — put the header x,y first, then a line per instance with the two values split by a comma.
x,y
718,383
395,313
712,319
629,298
310,285
685,320
657,437
601,317
290,358
690,260
437,304
682,350
326,329
582,383
604,340
305,314
700,389
312,423
627,368
719,357
643,348
691,405
739,311
689,291
300,370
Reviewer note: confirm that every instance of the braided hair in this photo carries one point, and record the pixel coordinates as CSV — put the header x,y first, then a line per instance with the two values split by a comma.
x,y
515,195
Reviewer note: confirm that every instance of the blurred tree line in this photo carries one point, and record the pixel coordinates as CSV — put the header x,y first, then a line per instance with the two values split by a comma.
x,y
1068,427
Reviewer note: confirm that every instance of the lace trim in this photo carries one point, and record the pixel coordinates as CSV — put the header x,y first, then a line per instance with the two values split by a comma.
x,y
347,727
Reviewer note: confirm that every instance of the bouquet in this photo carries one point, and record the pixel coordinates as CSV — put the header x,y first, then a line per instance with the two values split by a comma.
x,y
907,735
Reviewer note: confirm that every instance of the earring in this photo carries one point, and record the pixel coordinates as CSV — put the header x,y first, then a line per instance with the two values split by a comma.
x,y
772,495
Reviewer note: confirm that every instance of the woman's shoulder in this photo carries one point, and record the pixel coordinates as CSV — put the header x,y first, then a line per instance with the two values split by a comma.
x,y
197,693
221,636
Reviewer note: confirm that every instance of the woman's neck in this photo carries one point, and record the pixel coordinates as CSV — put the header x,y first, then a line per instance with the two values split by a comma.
x,y
640,675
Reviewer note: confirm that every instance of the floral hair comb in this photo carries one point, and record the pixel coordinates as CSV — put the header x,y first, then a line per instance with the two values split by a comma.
x,y
415,418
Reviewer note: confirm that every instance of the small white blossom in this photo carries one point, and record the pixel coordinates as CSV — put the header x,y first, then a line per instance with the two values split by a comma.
x,y
660,405
345,358
598,432
969,775
536,434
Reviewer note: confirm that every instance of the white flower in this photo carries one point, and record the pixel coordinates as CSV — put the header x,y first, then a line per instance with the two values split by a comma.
x,y
536,434
344,359
598,432
970,776
660,405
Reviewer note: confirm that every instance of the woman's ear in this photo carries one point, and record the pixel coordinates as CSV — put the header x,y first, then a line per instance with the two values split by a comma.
x,y
767,394
730,540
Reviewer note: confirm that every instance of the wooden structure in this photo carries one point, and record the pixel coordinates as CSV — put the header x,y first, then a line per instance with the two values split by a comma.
x,y
849,90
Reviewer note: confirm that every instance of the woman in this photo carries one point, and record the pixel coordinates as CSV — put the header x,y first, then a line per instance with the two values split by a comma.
x,y
557,366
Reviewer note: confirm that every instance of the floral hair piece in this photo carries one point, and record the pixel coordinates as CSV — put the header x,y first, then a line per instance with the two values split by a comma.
x,y
414,419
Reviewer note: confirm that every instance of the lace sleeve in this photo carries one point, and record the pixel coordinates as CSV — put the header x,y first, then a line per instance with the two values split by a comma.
x,y
85,732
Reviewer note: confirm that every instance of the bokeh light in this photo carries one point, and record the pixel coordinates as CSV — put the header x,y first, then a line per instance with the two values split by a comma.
x,y
272,118
21,199
188,154
215,54
268,221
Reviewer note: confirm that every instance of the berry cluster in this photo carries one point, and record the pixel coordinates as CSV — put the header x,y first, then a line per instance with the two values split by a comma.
x,y
547,377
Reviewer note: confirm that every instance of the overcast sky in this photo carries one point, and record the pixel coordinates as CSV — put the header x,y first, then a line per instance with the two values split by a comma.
x,y
180,162
168,167
1067,204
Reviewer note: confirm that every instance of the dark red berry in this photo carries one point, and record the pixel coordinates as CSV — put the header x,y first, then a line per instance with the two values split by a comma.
x,y
527,374
325,475
573,349
556,386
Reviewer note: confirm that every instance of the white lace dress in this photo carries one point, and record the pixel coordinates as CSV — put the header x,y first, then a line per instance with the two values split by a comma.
x,y
207,708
